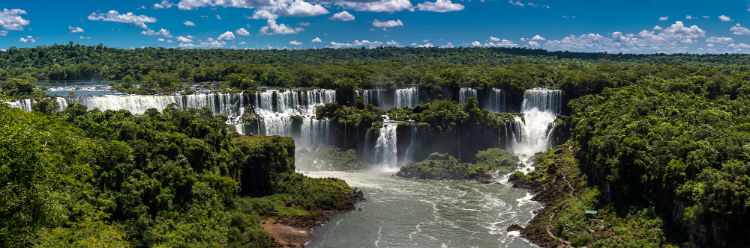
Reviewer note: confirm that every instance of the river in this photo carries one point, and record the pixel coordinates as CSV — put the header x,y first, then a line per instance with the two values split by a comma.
x,y
402,212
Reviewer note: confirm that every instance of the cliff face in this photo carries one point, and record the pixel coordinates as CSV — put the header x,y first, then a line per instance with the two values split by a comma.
x,y
264,157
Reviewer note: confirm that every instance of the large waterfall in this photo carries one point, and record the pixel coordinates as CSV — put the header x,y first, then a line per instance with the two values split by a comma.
x,y
386,150
292,113
539,108
465,93
372,96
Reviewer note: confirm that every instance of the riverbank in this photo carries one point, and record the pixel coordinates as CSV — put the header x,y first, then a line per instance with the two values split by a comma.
x,y
573,216
295,231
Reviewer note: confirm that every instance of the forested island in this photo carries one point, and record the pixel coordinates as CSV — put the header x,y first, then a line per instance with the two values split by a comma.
x,y
622,150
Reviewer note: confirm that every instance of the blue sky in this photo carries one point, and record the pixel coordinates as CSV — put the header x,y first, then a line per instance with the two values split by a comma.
x,y
629,26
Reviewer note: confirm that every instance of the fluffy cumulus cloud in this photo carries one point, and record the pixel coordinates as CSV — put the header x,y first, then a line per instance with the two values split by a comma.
x,y
440,6
163,5
27,39
10,19
343,16
724,18
228,35
185,39
389,6
127,18
161,32
75,29
738,29
387,24
272,28
476,43
673,39
208,43
501,43
242,32
188,23
316,40
295,43
714,39
265,9
362,43
663,18
493,38
529,4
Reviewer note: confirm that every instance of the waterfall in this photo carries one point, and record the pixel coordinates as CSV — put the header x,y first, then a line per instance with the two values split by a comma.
x,y
25,104
410,149
372,96
539,109
385,157
465,93
407,97
496,101
291,113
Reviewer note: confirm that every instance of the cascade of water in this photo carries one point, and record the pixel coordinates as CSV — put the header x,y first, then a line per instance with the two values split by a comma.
x,y
465,93
410,149
385,157
25,104
539,109
496,101
407,97
283,112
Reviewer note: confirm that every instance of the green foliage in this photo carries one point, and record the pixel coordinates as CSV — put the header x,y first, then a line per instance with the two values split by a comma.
x,y
20,87
171,179
445,167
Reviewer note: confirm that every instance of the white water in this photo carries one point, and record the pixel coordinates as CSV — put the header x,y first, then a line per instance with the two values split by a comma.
x,y
407,97
540,108
465,93
496,101
278,118
385,157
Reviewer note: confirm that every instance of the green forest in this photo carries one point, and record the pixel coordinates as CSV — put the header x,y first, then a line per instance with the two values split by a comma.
x,y
658,144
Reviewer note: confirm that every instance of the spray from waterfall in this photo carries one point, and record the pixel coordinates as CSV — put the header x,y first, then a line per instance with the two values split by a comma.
x,y
539,108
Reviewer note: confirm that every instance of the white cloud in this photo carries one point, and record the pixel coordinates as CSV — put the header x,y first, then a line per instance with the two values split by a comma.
x,y
501,43
264,14
127,18
295,43
389,6
357,43
84,37
28,39
387,24
185,39
392,43
188,23
10,19
676,38
163,5
161,39
689,17
161,32
272,28
476,43
304,24
533,44
493,38
209,43
316,40
740,46
738,29
426,44
516,3
218,17
344,16
714,39
663,18
75,29
265,9
242,32
440,6
228,35
538,38
724,18
3,32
